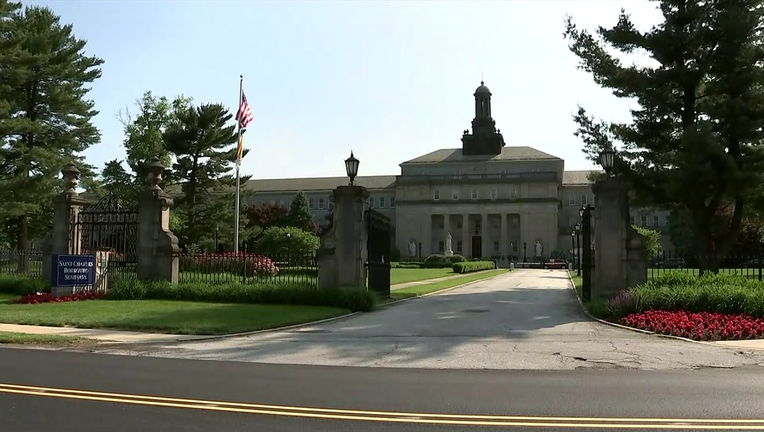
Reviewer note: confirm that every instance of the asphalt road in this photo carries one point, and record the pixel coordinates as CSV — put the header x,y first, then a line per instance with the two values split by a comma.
x,y
192,395
522,320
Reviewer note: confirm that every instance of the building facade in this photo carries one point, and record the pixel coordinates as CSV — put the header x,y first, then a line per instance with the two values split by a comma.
x,y
494,200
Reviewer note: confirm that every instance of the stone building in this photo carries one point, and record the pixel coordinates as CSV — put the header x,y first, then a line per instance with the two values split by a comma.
x,y
495,200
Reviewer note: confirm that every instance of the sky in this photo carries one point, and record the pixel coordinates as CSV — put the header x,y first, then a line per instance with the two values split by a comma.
x,y
389,80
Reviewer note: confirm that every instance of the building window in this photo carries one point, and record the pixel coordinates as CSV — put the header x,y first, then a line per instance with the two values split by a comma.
x,y
643,219
392,202
496,246
632,220
441,246
494,194
382,202
311,203
656,221
320,203
571,200
371,202
584,199
436,195
455,195
474,194
459,246
513,192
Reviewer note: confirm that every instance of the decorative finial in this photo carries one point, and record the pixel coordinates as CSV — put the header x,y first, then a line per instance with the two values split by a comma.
x,y
71,177
155,169
481,78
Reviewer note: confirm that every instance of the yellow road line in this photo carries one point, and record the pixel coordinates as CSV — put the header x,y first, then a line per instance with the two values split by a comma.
x,y
382,416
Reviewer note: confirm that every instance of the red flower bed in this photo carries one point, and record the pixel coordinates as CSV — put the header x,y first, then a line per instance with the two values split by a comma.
x,y
37,298
698,326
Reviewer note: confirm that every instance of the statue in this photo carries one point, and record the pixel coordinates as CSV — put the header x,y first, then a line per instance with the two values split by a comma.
x,y
412,248
539,248
449,251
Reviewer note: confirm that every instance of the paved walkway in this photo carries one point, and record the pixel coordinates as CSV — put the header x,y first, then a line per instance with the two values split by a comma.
x,y
102,335
525,319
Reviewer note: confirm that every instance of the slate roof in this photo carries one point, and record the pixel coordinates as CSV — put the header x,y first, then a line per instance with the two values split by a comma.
x,y
318,183
577,178
519,153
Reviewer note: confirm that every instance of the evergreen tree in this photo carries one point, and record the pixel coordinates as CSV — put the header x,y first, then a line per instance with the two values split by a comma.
x,y
47,120
300,215
204,148
118,182
694,140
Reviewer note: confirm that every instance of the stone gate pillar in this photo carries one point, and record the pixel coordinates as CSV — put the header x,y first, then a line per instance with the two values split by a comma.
x,y
343,254
620,257
157,246
66,238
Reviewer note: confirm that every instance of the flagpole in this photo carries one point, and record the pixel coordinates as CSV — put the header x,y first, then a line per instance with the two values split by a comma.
x,y
238,177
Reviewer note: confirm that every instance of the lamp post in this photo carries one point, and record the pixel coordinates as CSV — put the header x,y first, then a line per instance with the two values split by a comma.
x,y
578,248
525,256
573,244
607,160
217,233
351,167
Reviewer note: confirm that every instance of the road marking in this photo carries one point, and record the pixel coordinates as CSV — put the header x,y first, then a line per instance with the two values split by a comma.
x,y
386,416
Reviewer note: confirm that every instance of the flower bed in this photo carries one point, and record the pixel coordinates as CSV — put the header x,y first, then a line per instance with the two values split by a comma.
x,y
250,265
43,297
699,325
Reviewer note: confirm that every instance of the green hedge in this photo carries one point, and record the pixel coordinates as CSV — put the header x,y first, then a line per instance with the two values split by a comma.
x,y
722,293
406,265
473,266
442,261
21,285
289,294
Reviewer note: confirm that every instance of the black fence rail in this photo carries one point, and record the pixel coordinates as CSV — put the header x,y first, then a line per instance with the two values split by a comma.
x,y
27,263
750,266
250,268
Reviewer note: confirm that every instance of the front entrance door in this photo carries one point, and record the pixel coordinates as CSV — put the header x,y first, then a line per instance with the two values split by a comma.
x,y
477,247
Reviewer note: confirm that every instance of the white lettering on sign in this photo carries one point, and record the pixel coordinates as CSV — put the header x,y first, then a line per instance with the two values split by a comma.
x,y
75,264
76,277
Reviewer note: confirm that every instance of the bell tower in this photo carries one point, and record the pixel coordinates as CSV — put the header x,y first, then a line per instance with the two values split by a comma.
x,y
485,138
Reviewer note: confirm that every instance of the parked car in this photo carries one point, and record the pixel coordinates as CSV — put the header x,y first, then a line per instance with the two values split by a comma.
x,y
556,264
670,263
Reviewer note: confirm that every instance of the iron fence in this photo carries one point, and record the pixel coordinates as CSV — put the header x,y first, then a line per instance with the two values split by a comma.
x,y
750,266
249,268
27,263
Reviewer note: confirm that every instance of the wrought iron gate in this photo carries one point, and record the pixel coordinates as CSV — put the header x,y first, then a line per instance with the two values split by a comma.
x,y
108,225
378,248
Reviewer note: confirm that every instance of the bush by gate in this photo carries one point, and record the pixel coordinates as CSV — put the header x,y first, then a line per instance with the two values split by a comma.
x,y
473,266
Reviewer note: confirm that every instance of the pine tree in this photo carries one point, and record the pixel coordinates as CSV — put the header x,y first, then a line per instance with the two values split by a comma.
x,y
694,143
49,118
300,215
204,147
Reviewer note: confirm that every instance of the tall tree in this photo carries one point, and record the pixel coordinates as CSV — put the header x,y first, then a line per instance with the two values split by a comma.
x,y
117,181
204,147
694,142
300,215
49,117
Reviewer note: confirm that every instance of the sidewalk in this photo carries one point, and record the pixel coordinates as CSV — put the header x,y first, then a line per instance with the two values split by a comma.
x,y
102,335
753,344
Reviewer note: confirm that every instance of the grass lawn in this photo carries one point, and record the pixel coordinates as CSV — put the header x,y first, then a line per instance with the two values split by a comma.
x,y
163,316
42,339
403,275
418,290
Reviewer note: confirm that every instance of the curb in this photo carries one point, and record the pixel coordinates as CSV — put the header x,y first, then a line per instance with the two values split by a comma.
x,y
636,330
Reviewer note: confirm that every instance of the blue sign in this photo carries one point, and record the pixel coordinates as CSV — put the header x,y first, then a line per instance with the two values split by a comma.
x,y
73,270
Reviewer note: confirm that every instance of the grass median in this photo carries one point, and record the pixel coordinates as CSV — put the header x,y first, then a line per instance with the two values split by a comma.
x,y
13,338
418,290
163,316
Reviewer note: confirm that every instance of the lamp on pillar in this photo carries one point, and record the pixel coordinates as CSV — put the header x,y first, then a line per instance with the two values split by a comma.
x,y
351,167
607,160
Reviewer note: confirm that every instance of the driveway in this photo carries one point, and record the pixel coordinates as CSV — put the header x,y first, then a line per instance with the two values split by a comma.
x,y
525,319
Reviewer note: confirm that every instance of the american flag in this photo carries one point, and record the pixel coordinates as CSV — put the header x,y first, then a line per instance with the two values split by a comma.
x,y
244,115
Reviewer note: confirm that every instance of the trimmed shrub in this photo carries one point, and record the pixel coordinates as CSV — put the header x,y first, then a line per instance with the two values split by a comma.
x,y
442,261
473,266
287,294
284,241
406,265
20,285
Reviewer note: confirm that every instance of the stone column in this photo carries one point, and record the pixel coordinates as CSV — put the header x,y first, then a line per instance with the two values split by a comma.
x,y
503,242
343,254
484,233
427,235
157,246
66,237
466,244
620,258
